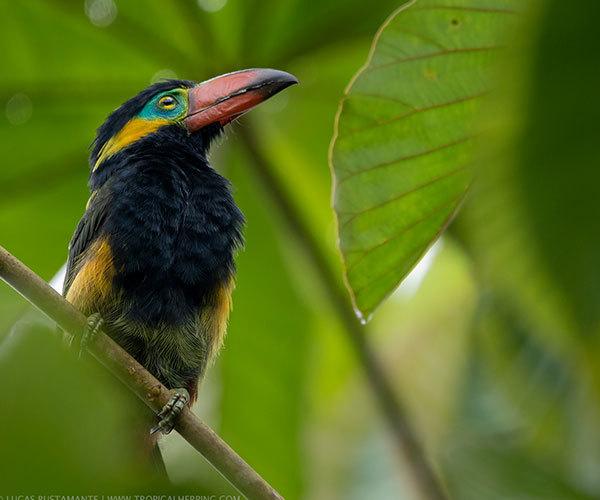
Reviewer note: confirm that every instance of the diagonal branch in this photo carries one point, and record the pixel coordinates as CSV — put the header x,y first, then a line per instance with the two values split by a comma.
x,y
136,377
425,479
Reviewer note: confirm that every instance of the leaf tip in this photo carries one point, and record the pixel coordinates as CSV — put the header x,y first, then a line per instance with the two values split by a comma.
x,y
363,318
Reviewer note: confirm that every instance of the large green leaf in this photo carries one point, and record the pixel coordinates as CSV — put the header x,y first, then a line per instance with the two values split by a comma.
x,y
405,137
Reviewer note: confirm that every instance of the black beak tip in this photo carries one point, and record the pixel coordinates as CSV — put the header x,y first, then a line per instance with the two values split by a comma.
x,y
278,79
290,79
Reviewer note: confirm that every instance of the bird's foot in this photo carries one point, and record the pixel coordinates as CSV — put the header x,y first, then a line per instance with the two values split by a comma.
x,y
93,325
168,415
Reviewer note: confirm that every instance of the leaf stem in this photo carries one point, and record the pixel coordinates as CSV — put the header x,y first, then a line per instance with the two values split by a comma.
x,y
136,377
425,479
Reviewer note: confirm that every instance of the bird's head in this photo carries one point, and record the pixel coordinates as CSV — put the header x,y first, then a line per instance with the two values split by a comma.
x,y
182,113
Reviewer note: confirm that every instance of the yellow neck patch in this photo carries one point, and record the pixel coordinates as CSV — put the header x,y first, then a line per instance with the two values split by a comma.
x,y
134,129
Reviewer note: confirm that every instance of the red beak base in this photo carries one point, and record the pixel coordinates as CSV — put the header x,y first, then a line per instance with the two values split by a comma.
x,y
224,98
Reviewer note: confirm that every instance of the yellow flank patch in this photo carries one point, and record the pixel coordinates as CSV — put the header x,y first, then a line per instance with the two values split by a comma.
x,y
92,285
214,318
134,129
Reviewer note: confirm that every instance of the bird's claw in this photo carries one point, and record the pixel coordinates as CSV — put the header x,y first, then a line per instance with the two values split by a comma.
x,y
167,417
93,325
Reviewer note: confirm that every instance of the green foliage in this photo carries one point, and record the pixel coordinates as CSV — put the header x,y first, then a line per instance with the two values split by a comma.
x,y
72,72
541,184
265,333
493,353
526,114
405,133
67,425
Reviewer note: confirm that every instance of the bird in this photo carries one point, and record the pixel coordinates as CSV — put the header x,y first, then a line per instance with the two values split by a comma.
x,y
152,260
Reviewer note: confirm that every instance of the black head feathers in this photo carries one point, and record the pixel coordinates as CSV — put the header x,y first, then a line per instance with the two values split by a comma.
x,y
120,116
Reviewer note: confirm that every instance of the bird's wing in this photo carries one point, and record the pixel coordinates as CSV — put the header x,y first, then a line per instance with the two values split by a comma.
x,y
86,233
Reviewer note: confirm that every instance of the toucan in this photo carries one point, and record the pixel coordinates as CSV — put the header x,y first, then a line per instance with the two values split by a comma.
x,y
151,261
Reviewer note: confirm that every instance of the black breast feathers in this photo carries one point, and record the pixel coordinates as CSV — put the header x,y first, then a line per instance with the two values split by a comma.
x,y
172,226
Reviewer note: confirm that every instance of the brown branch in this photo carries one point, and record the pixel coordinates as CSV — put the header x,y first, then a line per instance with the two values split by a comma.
x,y
136,377
425,479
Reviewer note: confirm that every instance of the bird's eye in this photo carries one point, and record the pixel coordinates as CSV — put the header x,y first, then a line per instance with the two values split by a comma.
x,y
167,102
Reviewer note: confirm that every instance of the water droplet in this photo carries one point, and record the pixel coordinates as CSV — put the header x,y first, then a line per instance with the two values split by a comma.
x,y
19,109
212,5
163,74
100,12
361,317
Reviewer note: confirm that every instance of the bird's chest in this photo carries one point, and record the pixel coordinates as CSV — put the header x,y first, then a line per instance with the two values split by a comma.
x,y
172,238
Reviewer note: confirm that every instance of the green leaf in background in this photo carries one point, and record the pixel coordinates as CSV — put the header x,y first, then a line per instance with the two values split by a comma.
x,y
532,228
540,248
524,427
264,404
64,423
405,134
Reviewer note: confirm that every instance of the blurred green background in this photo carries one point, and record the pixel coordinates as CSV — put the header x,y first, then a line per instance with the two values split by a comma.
x,y
490,343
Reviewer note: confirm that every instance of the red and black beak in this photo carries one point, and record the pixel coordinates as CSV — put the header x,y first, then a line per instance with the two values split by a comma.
x,y
224,98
